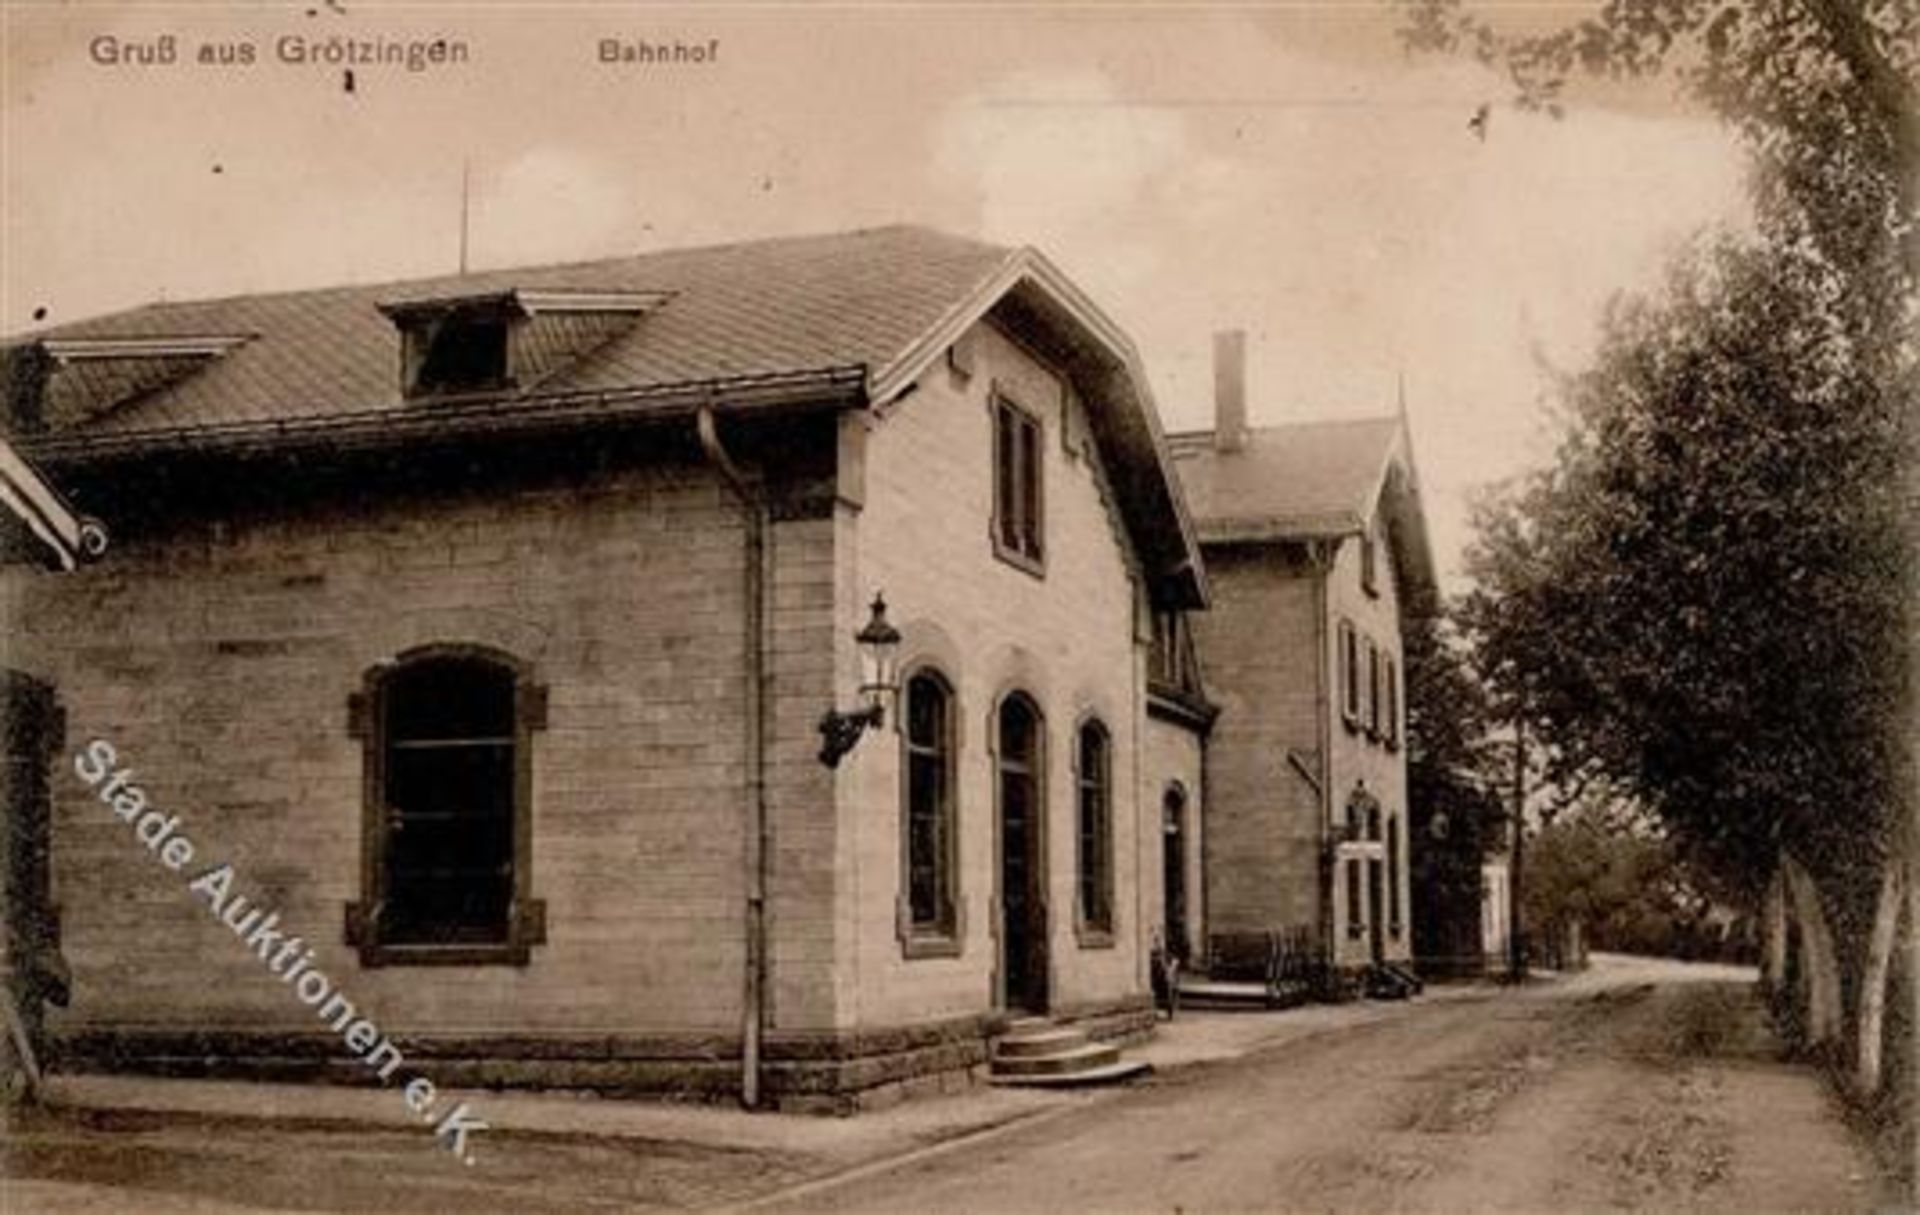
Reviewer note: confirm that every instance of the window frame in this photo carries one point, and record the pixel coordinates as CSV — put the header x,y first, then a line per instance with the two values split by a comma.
x,y
1349,673
1370,561
1094,926
368,712
944,935
1370,714
1019,485
1392,686
418,334
1356,898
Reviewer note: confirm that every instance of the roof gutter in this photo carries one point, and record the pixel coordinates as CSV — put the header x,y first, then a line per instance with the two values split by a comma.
x,y
840,387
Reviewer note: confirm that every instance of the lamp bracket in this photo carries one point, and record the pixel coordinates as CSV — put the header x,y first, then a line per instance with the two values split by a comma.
x,y
839,731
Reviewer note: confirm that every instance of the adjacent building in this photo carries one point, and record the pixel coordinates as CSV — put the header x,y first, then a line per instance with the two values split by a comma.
x,y
1315,541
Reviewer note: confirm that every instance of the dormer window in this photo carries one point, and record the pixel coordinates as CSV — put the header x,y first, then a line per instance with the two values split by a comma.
x,y
57,383
464,350
457,345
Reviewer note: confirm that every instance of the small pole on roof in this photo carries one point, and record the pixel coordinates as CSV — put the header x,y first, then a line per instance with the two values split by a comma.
x,y
466,164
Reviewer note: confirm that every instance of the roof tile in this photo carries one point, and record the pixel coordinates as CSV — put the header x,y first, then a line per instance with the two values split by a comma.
x,y
794,304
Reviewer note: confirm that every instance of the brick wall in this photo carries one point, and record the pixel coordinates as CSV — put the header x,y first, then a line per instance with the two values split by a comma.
x,y
218,659
1258,648
1068,639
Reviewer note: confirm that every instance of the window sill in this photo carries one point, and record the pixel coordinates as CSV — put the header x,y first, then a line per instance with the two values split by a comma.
x,y
930,945
1095,938
526,928
509,954
1024,562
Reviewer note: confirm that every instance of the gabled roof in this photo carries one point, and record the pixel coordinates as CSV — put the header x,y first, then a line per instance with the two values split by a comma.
x,y
850,319
739,311
1307,480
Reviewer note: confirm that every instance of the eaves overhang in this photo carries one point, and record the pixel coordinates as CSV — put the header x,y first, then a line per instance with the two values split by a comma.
x,y
826,388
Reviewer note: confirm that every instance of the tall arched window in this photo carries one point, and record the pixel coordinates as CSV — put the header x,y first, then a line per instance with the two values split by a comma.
x,y
446,842
1093,764
929,810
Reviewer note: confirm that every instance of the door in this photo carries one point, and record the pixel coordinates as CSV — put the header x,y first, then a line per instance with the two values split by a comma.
x,y
1023,908
1173,881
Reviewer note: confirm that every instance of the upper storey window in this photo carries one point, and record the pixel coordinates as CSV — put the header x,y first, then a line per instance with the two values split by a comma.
x,y
1370,560
1018,495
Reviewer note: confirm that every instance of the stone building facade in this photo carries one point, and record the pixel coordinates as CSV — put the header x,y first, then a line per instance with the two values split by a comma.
x,y
484,627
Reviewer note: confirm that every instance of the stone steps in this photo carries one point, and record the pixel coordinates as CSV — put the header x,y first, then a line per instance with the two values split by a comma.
x,y
1219,995
1034,1052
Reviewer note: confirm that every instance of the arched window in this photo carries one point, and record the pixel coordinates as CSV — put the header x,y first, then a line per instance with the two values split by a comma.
x,y
1093,769
929,809
446,842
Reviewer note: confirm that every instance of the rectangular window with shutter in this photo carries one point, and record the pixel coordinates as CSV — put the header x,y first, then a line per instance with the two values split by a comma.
x,y
1349,674
1018,497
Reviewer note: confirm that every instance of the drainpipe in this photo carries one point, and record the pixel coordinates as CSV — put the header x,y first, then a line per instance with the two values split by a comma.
x,y
1321,559
751,490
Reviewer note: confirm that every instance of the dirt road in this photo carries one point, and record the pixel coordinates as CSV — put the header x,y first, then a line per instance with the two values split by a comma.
x,y
1641,1086
1644,1087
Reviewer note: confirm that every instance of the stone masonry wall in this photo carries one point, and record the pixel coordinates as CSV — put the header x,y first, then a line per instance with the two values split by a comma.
x,y
218,657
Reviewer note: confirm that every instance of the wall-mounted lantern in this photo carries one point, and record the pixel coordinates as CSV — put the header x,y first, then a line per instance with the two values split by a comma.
x,y
879,645
1363,814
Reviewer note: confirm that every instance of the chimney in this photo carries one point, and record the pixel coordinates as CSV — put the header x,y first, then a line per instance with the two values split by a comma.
x,y
1230,390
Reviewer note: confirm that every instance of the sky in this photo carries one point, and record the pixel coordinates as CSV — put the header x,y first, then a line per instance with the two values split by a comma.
x,y
1283,169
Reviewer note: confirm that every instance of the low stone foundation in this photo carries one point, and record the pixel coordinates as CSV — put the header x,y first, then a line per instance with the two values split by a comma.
x,y
837,1072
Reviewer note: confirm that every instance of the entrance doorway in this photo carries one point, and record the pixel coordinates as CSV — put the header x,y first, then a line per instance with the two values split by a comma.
x,y
1023,905
1173,880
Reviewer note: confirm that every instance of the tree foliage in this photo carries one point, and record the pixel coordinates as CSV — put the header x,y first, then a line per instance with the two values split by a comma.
x,y
1702,601
1630,890
1456,817
1823,92
1456,814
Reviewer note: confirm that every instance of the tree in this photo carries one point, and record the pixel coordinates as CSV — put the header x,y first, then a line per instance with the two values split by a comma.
x,y
1454,817
1791,360
1701,601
